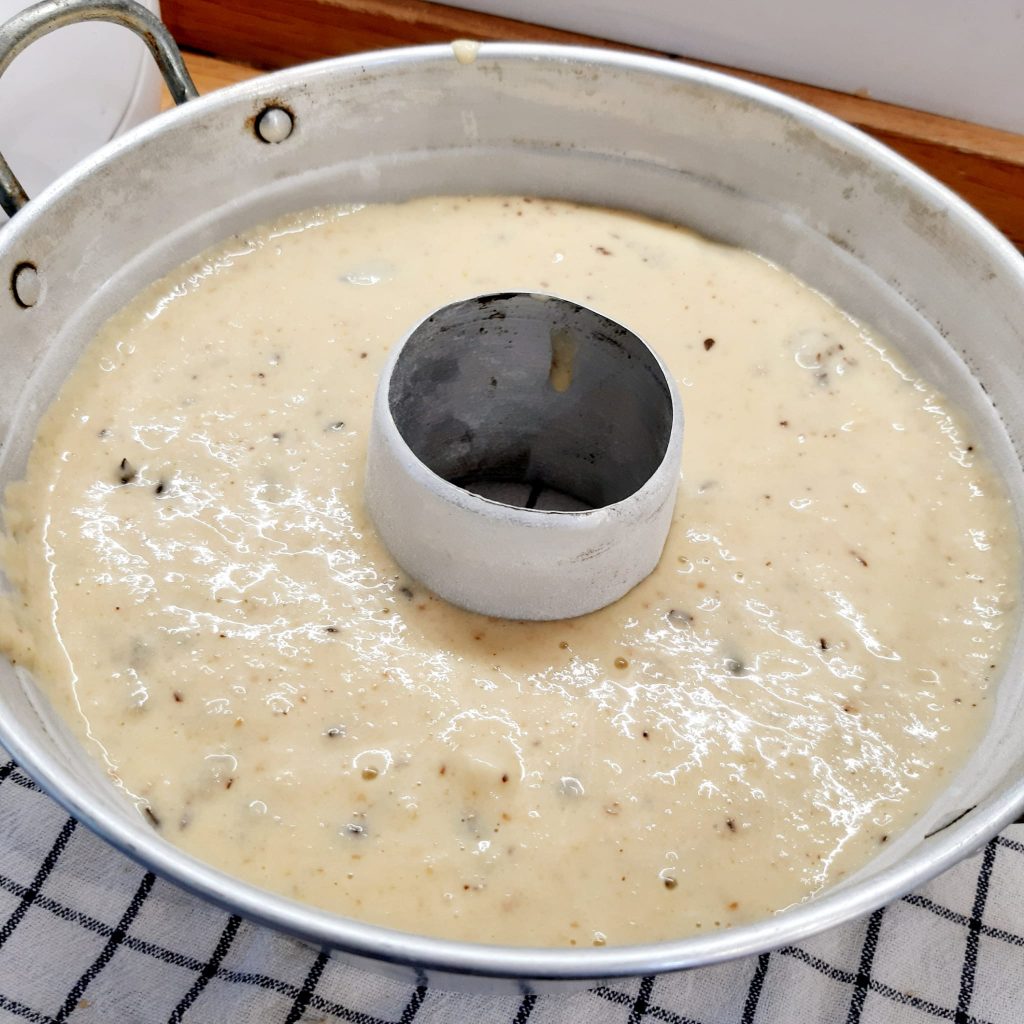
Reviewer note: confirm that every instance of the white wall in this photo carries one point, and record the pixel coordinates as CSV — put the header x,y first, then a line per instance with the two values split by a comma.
x,y
961,58
69,93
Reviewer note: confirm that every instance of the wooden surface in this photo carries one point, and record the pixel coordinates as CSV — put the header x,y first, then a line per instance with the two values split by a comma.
x,y
984,165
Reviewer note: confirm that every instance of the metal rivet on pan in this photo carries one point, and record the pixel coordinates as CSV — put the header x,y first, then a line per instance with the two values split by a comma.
x,y
26,285
524,455
275,124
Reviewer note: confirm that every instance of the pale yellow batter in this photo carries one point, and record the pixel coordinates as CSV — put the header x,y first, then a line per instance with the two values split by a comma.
x,y
200,589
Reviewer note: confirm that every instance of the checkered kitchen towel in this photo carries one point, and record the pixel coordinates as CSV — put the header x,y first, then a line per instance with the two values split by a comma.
x,y
88,936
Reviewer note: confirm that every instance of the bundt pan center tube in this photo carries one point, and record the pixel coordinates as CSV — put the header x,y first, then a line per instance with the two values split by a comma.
x,y
734,161
528,439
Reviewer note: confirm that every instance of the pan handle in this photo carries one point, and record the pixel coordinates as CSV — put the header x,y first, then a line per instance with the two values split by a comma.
x,y
42,18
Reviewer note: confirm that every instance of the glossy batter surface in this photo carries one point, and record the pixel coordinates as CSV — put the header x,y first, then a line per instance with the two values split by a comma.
x,y
200,589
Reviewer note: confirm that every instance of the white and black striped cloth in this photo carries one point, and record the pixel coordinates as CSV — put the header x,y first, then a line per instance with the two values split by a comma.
x,y
87,936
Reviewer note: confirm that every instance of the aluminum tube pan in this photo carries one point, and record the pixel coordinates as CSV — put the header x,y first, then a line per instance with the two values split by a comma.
x,y
740,163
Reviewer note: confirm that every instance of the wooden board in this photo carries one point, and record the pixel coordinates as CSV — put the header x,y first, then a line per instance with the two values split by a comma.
x,y
984,165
